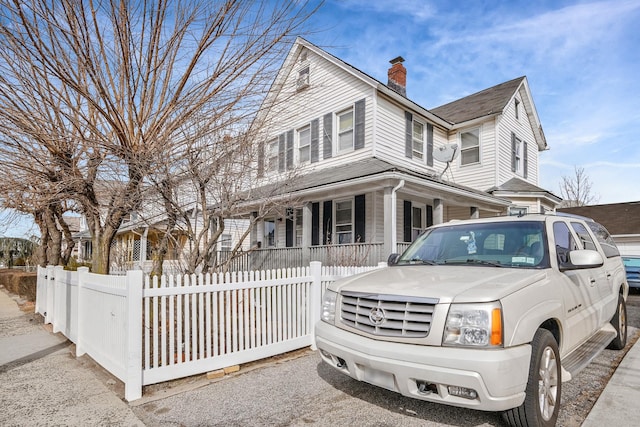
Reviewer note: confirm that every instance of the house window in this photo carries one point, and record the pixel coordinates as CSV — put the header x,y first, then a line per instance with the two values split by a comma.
x,y
518,153
270,233
344,221
418,140
298,228
304,144
273,155
303,78
516,104
470,147
225,242
345,130
518,210
417,224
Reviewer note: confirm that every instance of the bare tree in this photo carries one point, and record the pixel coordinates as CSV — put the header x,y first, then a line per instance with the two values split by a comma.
x,y
576,189
95,95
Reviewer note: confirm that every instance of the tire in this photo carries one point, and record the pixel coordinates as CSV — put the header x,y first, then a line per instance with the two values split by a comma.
x,y
544,387
619,322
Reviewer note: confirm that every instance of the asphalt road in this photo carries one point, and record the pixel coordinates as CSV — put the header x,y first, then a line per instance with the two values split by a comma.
x,y
302,391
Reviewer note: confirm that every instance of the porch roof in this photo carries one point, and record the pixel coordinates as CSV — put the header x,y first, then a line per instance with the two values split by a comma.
x,y
373,174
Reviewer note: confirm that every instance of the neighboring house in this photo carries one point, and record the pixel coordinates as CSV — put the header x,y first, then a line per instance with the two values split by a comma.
x,y
364,157
622,221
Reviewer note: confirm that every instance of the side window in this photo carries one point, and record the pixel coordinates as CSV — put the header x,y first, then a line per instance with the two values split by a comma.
x,y
606,241
584,236
470,147
564,241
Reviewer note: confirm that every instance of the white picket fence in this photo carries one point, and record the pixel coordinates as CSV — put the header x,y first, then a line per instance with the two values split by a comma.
x,y
147,330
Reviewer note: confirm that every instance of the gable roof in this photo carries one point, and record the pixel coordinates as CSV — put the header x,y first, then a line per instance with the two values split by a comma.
x,y
484,103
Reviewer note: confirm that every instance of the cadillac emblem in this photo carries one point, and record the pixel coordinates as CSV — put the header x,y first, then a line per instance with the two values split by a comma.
x,y
377,316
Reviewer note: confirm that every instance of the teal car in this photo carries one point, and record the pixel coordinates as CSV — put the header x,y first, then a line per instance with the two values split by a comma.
x,y
632,267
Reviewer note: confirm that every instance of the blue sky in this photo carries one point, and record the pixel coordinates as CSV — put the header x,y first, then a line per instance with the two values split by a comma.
x,y
581,58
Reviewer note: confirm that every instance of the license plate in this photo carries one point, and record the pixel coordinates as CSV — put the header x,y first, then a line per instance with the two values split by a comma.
x,y
380,378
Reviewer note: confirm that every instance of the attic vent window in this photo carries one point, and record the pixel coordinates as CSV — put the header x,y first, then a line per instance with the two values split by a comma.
x,y
303,78
303,56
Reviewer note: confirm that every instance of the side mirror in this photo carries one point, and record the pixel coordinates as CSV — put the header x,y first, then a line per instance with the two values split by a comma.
x,y
393,259
583,259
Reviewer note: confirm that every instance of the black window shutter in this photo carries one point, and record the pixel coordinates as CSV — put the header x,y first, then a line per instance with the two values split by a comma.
x,y
408,134
358,139
315,143
360,219
406,225
290,150
525,160
289,228
281,151
513,152
327,219
327,136
315,224
429,215
261,160
429,144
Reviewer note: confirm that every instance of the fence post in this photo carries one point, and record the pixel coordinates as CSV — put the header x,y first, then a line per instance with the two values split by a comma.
x,y
48,314
133,382
315,303
57,295
82,277
41,291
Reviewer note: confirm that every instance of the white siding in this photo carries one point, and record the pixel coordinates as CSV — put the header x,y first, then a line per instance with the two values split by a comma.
x,y
331,90
482,175
390,137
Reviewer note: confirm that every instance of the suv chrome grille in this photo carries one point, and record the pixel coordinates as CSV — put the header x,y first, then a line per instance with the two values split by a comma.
x,y
388,315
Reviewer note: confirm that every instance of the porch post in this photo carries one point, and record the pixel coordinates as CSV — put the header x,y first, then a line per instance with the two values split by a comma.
x,y
254,230
389,208
474,212
143,248
306,233
438,211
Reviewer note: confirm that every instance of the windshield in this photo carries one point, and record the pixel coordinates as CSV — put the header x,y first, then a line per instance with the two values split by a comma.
x,y
505,244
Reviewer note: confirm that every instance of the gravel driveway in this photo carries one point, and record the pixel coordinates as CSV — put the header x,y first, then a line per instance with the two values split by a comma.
x,y
300,390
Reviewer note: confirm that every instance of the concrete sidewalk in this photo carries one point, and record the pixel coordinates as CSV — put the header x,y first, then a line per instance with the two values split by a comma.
x,y
41,381
619,403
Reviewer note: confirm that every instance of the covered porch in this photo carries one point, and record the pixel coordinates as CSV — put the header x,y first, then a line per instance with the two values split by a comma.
x,y
358,214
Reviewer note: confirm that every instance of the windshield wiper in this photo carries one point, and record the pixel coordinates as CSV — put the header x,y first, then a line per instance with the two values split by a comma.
x,y
420,261
475,261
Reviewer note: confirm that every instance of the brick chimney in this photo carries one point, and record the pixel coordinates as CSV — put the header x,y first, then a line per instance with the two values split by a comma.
x,y
397,75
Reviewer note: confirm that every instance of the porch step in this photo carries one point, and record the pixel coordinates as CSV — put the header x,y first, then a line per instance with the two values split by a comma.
x,y
578,359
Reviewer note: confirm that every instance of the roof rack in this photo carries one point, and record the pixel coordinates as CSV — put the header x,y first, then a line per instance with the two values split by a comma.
x,y
570,215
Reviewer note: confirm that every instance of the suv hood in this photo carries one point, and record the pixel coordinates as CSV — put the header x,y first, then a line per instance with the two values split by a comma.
x,y
460,283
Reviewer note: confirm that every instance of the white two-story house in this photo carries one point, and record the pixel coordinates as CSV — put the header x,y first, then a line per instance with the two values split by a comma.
x,y
361,164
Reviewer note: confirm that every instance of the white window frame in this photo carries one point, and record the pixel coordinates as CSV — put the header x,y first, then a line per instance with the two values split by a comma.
x,y
351,224
519,161
346,131
226,242
265,241
304,145
417,230
274,151
464,150
518,210
417,153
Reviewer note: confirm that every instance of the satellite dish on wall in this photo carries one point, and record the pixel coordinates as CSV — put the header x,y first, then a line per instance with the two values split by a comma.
x,y
446,153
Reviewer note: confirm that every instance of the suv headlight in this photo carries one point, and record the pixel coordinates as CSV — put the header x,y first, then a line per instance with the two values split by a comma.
x,y
474,325
329,306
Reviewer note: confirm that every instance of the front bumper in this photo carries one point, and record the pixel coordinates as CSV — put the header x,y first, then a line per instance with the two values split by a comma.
x,y
498,377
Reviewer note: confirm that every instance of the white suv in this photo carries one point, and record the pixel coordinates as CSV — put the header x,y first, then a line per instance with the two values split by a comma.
x,y
490,314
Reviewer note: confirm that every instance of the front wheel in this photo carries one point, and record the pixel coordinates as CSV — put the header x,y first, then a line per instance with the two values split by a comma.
x,y
544,387
619,322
